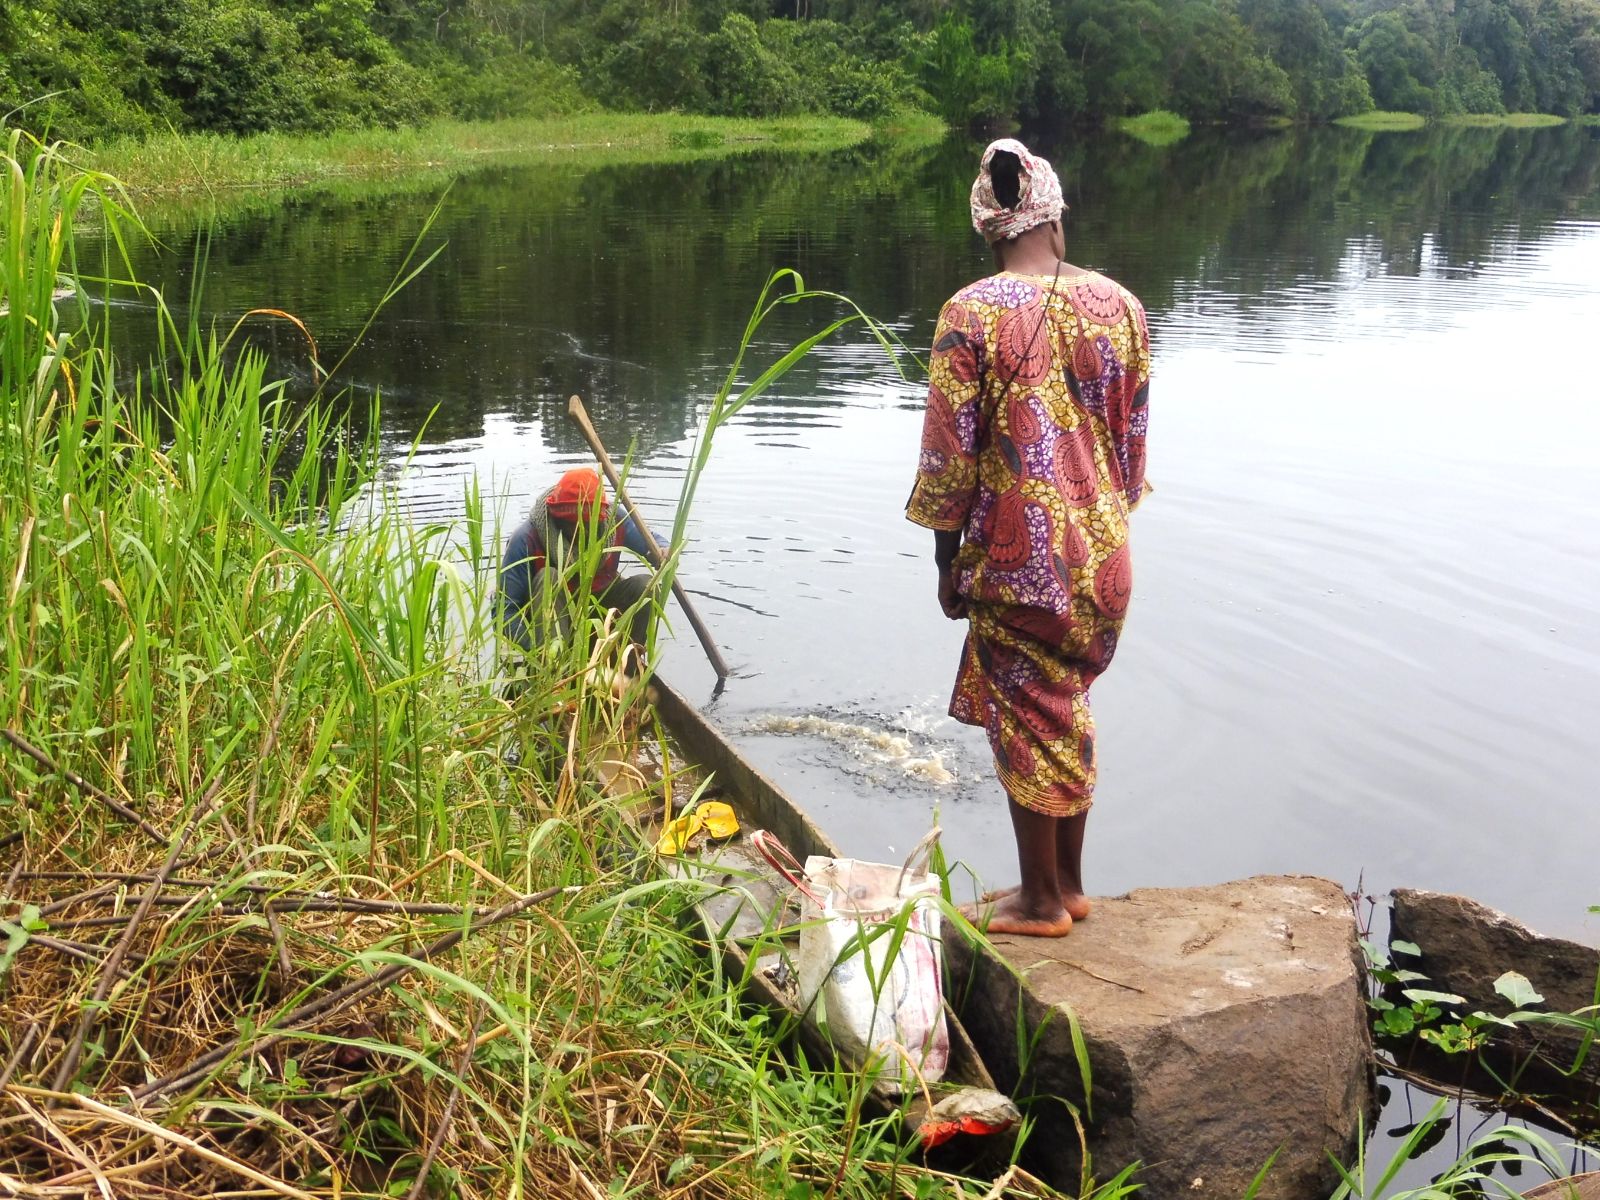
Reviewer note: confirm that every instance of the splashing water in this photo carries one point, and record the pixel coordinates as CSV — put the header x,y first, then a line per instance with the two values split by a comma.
x,y
873,745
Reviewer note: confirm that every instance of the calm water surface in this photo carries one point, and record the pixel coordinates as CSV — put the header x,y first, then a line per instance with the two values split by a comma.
x,y
1364,642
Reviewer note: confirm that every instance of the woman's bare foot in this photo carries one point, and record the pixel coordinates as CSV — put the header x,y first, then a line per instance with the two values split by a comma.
x,y
1006,913
1078,905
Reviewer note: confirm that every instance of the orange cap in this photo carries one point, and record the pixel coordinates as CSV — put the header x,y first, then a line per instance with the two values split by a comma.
x,y
575,494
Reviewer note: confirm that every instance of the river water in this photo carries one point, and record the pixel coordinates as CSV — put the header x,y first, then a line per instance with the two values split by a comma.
x,y
1364,642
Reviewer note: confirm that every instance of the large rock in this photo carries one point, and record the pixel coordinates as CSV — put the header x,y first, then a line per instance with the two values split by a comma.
x,y
1222,1024
1574,1187
1466,946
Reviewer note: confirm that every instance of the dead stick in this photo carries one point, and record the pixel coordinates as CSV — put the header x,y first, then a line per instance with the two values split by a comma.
x,y
113,963
334,1001
87,951
285,967
436,1142
580,417
290,903
121,1117
19,1054
1102,978
94,894
82,784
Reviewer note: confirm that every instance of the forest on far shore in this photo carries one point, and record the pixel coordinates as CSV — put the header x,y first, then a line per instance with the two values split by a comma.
x,y
96,69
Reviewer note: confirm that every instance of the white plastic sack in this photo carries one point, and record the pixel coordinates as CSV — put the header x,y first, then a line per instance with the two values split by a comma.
x,y
874,1007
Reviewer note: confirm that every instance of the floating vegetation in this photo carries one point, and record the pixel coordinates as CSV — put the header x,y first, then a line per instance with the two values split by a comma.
x,y
1155,128
1381,120
1505,120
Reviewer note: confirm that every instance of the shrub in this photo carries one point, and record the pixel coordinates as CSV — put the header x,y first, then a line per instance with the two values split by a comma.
x,y
834,71
744,77
509,85
660,65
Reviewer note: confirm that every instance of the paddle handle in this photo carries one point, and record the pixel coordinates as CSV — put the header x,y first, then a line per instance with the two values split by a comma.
x,y
580,418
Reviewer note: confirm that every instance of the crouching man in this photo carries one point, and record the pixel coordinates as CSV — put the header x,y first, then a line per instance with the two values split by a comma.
x,y
541,550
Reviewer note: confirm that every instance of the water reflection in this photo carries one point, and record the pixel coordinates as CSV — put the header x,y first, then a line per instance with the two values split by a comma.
x,y
1365,638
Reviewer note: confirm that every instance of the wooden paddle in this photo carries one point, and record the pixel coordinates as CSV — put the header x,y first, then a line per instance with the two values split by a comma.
x,y
580,417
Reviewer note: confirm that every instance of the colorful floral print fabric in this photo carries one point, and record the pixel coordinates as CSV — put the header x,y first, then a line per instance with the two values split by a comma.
x,y
1033,445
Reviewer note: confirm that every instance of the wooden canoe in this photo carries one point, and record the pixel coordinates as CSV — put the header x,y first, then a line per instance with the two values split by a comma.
x,y
754,901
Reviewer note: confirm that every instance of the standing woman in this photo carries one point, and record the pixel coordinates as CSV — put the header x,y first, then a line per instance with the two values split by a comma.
x,y
1032,458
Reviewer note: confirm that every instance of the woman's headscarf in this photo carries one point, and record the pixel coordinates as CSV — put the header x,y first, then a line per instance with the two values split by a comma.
x,y
1039,200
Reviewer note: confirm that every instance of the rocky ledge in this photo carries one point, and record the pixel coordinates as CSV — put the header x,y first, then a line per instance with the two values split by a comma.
x,y
1466,946
1223,1024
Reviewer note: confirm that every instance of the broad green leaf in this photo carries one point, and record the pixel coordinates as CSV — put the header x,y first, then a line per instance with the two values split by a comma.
x,y
1423,996
1398,1022
1374,952
1514,986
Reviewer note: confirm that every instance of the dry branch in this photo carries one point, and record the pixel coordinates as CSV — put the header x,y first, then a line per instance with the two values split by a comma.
x,y
271,898
133,1121
442,1130
334,1001
108,975
83,785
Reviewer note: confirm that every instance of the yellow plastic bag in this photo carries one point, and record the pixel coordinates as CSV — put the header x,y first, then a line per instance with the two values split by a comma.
x,y
712,819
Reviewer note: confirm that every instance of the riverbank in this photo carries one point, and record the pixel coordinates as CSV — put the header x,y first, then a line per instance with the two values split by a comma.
x,y
285,863
177,172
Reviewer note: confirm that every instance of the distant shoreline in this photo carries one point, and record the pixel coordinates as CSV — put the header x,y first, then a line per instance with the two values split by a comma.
x,y
177,174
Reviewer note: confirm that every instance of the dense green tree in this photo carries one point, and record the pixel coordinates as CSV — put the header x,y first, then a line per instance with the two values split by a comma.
x,y
1399,64
1297,36
1217,73
94,68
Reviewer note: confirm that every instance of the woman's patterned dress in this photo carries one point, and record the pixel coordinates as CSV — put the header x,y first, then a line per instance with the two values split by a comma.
x,y
1033,445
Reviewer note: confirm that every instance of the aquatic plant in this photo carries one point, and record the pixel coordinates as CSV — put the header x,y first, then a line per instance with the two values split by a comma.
x,y
1470,1174
1155,128
1383,120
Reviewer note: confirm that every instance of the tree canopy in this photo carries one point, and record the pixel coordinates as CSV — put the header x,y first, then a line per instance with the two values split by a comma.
x,y
94,68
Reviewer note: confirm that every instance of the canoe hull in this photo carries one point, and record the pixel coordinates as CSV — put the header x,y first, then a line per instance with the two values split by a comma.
x,y
761,803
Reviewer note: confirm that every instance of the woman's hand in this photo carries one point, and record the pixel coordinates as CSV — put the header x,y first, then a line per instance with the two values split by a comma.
x,y
946,544
952,601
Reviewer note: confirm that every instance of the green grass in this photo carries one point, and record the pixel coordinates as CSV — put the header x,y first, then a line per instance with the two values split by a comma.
x,y
196,169
1155,128
1381,120
1504,120
217,623
1587,119
179,180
